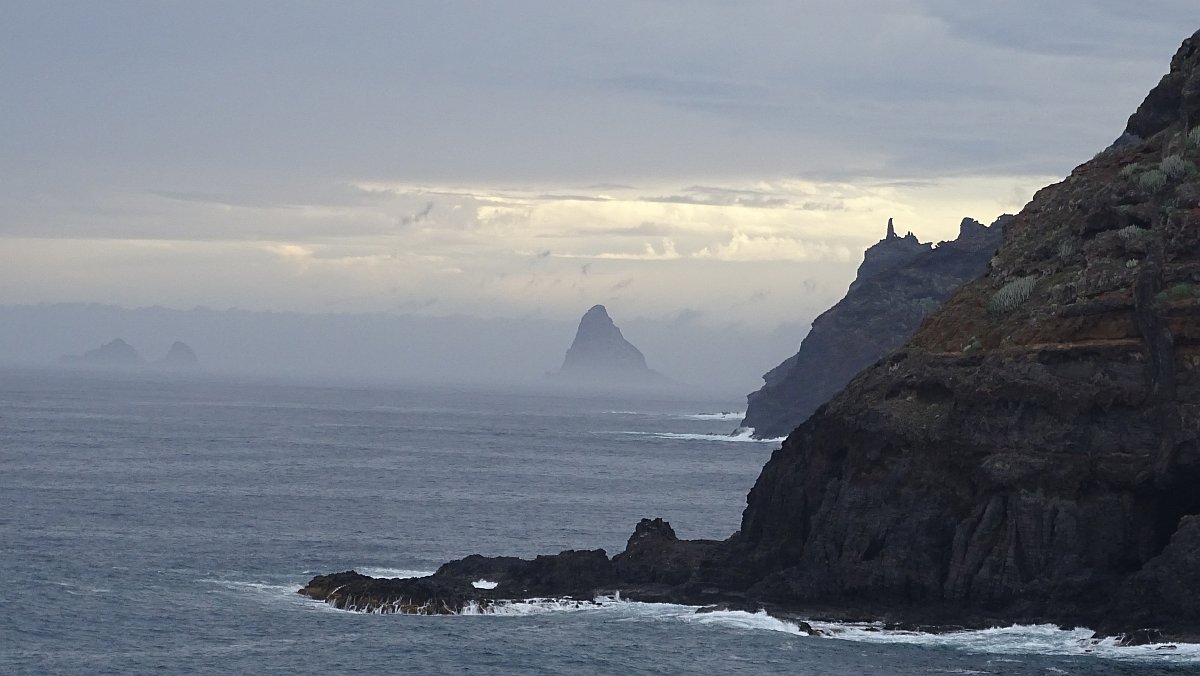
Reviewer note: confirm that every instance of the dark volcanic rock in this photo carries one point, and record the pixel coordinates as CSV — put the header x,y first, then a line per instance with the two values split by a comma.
x,y
569,574
116,352
654,555
180,355
600,353
899,282
1032,454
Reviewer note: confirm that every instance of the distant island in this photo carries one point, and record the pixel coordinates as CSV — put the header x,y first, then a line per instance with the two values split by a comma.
x,y
180,355
600,355
117,353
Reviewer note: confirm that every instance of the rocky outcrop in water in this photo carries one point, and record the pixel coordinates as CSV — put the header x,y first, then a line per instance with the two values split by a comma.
x,y
1032,454
180,356
601,355
653,566
899,282
116,352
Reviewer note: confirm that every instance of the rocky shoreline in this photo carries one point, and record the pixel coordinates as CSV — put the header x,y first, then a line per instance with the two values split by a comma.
x,y
656,568
1031,455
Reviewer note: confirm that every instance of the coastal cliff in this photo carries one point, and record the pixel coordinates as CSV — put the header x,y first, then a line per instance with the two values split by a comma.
x,y
1030,455
899,282
1031,452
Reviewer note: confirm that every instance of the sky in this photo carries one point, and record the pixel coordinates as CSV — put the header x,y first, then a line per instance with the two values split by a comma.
x,y
724,161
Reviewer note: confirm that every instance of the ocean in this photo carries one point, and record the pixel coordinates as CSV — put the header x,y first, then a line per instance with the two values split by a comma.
x,y
151,523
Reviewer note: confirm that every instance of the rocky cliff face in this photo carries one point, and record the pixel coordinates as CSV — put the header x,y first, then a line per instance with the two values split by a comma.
x,y
899,282
1031,454
1032,451
600,354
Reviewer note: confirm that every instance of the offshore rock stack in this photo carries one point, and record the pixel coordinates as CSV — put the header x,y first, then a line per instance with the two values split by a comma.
x,y
600,355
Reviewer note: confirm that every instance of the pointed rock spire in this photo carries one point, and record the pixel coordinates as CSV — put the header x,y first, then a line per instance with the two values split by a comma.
x,y
891,233
180,354
601,353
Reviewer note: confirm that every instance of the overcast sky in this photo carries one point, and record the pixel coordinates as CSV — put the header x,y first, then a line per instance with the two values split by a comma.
x,y
725,159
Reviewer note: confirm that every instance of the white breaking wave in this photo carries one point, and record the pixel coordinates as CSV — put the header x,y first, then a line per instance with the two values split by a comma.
x,y
1041,639
536,606
256,586
394,572
484,584
741,434
614,606
78,590
724,415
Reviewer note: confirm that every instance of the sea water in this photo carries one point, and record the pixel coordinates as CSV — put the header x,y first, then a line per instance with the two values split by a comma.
x,y
153,523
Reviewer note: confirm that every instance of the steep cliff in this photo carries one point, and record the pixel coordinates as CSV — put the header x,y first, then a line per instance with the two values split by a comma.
x,y
899,282
1032,451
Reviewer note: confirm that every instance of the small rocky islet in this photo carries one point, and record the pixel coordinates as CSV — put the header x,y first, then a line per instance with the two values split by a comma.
x,y
601,355
115,352
118,353
1030,455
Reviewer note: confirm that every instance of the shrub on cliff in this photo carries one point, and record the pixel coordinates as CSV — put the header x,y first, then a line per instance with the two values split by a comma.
x,y
1011,295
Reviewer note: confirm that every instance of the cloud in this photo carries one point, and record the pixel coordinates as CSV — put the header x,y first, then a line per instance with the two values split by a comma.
x,y
717,196
641,230
291,251
226,200
574,198
418,217
686,316
722,96
743,247
1070,28
664,252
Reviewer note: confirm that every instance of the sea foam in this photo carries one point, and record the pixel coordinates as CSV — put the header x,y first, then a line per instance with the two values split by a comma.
x,y
1012,640
741,434
1041,639
393,572
724,415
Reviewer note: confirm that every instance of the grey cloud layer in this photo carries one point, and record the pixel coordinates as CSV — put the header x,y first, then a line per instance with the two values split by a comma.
x,y
509,157
483,91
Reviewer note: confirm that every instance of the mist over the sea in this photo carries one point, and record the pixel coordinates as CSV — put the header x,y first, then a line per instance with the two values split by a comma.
x,y
726,360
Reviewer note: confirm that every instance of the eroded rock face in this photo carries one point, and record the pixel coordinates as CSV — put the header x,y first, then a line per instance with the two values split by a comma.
x,y
569,574
899,282
1031,451
1030,455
